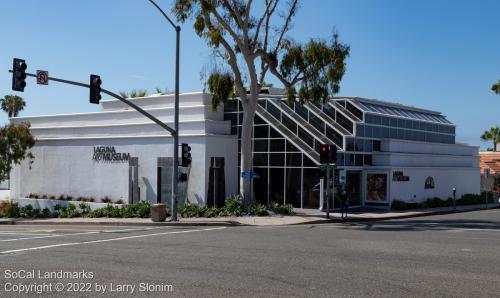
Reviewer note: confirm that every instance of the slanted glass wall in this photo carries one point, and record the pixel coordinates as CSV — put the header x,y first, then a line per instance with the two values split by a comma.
x,y
286,174
383,127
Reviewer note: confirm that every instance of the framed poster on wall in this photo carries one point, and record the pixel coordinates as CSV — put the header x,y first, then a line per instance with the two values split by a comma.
x,y
376,187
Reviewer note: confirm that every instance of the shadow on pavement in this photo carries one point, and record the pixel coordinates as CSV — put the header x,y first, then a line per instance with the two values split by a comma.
x,y
423,225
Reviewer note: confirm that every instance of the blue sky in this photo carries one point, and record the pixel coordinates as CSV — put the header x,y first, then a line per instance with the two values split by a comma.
x,y
437,54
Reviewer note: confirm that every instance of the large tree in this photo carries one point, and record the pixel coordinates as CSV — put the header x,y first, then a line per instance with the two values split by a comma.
x,y
492,135
12,105
496,88
251,40
15,142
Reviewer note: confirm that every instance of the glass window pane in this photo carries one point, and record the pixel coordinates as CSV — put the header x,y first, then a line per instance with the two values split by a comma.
x,y
310,195
233,117
277,159
260,146
349,159
277,145
349,144
368,146
291,147
274,133
258,120
260,131
294,159
359,160
290,124
368,159
276,185
260,185
386,121
340,159
230,106
317,123
260,159
308,162
293,189
394,122
360,145
306,137
360,130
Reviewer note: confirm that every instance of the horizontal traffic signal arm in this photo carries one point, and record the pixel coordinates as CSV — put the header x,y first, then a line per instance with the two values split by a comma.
x,y
127,102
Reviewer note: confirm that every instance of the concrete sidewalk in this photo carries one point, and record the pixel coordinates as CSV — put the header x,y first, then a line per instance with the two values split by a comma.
x,y
303,216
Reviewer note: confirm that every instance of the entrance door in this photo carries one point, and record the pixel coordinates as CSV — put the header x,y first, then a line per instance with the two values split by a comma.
x,y
353,187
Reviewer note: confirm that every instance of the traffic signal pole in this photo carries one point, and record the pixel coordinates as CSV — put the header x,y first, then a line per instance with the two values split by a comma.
x,y
127,102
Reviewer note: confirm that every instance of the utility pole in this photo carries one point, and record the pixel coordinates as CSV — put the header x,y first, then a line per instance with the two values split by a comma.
x,y
176,114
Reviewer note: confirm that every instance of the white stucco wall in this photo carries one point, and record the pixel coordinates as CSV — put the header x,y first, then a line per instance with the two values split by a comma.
x,y
66,167
465,180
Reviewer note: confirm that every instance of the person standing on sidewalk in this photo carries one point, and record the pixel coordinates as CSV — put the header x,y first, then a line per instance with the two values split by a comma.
x,y
344,203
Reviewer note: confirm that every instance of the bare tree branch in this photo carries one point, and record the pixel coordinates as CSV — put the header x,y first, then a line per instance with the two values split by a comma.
x,y
267,11
291,13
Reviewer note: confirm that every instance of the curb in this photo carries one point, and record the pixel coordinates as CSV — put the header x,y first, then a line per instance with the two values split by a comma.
x,y
402,216
158,224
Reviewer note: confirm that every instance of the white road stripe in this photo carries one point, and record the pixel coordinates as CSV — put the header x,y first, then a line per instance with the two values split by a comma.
x,y
40,236
49,236
106,240
24,234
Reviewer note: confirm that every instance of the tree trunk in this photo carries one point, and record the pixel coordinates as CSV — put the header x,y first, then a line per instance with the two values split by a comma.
x,y
246,149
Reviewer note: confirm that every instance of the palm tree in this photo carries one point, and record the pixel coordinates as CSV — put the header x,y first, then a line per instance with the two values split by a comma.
x,y
496,88
492,135
12,104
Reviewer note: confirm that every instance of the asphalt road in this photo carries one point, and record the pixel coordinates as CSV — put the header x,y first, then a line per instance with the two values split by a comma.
x,y
437,256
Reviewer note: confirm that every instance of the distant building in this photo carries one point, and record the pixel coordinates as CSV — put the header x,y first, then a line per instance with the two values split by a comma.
x,y
387,152
490,171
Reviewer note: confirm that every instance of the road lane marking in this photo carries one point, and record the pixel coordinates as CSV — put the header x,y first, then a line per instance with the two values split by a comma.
x,y
105,240
41,236
25,234
48,236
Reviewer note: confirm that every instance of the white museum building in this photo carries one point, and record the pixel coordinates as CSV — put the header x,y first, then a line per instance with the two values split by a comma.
x,y
386,152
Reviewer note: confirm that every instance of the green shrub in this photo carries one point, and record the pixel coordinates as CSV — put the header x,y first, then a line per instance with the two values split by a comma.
x,y
260,210
45,213
234,206
29,212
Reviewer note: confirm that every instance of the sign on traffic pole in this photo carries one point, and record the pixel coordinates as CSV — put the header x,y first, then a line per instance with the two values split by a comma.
x,y
42,77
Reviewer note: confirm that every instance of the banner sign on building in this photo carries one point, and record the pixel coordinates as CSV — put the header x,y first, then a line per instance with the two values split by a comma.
x,y
399,176
109,154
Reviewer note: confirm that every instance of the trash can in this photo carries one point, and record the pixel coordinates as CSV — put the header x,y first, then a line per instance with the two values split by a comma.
x,y
158,212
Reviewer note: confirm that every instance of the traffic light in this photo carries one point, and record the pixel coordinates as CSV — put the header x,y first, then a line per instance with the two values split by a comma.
x,y
19,75
95,89
186,155
183,177
324,153
327,154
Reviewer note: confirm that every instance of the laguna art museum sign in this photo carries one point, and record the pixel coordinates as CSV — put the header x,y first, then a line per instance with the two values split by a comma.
x,y
109,154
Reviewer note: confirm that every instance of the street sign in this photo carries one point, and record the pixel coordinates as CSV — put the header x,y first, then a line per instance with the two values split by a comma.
x,y
42,77
249,175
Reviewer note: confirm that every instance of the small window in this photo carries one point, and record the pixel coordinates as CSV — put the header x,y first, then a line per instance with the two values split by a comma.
x,y
429,182
376,145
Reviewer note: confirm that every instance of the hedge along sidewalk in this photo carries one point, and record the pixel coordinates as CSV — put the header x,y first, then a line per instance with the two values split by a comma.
x,y
312,218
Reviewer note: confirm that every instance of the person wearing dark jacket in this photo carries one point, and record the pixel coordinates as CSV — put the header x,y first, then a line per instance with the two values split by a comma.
x,y
344,203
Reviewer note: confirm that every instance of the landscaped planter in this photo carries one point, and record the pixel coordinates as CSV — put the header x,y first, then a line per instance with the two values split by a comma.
x,y
50,204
